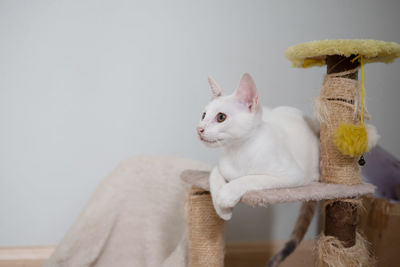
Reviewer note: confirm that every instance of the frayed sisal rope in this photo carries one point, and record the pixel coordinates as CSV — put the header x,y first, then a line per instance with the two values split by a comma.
x,y
331,253
356,203
206,231
345,88
339,102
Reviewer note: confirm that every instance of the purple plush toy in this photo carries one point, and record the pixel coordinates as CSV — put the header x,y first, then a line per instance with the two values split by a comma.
x,y
382,169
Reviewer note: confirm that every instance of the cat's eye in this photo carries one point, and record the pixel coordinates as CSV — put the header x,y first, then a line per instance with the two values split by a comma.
x,y
221,117
203,116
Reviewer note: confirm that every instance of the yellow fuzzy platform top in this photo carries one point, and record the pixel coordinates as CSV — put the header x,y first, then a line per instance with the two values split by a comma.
x,y
314,53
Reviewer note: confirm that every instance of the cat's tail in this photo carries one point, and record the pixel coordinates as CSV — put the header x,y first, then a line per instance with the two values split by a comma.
x,y
303,221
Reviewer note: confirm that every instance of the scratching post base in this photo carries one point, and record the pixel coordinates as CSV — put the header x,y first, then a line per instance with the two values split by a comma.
x,y
332,253
341,244
206,231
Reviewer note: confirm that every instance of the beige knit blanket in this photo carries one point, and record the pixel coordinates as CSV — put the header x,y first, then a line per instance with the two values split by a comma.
x,y
135,218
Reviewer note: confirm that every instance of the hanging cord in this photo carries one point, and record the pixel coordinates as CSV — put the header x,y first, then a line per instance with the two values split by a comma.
x,y
361,59
361,161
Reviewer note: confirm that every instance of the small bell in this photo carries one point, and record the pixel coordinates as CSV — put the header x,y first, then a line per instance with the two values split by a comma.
x,y
361,161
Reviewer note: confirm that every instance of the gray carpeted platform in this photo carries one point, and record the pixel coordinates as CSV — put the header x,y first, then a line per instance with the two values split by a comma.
x,y
313,191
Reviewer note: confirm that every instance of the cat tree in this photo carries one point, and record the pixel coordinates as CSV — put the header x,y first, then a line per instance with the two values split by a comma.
x,y
341,102
340,186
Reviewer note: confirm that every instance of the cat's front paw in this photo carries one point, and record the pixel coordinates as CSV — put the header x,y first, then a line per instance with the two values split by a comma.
x,y
224,213
227,198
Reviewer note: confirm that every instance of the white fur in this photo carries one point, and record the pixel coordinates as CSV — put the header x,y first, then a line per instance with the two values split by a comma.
x,y
373,135
262,148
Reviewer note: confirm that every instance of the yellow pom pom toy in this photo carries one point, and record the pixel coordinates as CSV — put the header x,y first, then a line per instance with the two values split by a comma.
x,y
352,140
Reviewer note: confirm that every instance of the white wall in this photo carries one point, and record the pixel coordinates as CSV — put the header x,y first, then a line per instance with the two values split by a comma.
x,y
84,84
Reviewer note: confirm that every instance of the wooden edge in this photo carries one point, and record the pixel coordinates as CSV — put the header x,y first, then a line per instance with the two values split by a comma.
x,y
31,253
24,256
256,254
250,254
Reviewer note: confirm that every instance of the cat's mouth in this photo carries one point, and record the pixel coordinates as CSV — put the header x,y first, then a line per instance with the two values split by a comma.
x,y
209,141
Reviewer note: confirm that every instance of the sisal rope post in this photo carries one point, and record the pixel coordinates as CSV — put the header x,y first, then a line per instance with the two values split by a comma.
x,y
340,244
206,231
343,137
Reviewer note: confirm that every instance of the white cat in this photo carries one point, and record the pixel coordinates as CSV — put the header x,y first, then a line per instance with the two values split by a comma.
x,y
262,148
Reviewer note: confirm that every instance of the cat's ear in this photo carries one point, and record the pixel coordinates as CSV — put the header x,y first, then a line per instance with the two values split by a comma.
x,y
247,92
215,89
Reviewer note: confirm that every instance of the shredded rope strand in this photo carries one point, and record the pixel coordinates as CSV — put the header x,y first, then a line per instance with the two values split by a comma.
x,y
361,59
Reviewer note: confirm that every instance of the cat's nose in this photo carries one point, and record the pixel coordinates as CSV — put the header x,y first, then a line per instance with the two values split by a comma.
x,y
200,130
